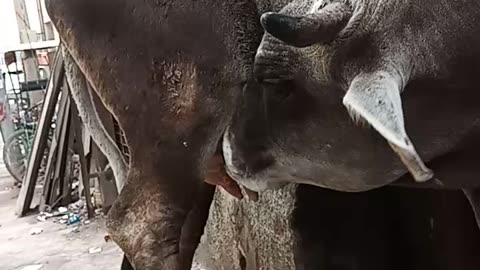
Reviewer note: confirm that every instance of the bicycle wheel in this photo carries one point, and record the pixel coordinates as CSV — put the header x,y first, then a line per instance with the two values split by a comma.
x,y
15,153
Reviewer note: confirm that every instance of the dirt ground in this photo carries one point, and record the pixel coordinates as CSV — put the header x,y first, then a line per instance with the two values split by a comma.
x,y
57,247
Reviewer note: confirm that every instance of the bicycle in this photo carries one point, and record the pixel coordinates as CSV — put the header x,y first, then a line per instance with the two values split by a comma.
x,y
17,148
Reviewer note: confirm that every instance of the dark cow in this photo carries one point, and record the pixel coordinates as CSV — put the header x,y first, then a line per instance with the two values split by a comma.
x,y
389,228
323,62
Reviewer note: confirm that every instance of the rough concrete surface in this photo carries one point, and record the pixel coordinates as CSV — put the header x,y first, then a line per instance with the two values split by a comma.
x,y
56,248
247,235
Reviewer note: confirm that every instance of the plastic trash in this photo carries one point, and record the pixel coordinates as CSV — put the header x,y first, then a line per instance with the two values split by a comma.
x,y
94,250
33,267
43,216
73,218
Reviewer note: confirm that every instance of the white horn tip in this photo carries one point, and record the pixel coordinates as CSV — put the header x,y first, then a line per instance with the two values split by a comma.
x,y
414,163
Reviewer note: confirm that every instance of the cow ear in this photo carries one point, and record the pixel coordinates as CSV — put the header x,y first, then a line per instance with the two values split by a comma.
x,y
321,26
375,98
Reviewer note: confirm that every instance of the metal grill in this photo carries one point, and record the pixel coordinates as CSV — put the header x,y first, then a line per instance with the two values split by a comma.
x,y
121,140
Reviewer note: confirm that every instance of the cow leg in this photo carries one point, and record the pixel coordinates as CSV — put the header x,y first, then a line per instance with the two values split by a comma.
x,y
192,229
170,110
194,226
473,196
146,221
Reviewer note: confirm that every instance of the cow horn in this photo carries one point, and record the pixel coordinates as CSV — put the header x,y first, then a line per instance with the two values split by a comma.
x,y
322,26
375,97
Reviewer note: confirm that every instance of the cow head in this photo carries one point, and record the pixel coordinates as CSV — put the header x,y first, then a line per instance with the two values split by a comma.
x,y
319,65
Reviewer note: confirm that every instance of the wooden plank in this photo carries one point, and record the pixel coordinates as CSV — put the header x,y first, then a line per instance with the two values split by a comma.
x,y
107,187
63,171
87,141
58,136
64,156
78,145
53,90
47,187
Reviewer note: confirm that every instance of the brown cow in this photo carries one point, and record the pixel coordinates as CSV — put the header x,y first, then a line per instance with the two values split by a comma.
x,y
169,71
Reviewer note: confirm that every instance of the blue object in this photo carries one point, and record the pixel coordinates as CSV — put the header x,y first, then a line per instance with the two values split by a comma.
x,y
73,218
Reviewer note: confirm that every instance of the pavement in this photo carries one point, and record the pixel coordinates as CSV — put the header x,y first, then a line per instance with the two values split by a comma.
x,y
57,246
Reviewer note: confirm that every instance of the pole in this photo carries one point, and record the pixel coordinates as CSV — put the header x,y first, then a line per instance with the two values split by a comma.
x,y
43,34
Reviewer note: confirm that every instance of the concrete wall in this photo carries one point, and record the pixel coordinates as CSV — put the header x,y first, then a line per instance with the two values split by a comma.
x,y
247,235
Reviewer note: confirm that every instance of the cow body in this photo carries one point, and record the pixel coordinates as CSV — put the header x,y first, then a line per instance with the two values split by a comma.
x,y
169,71
400,67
